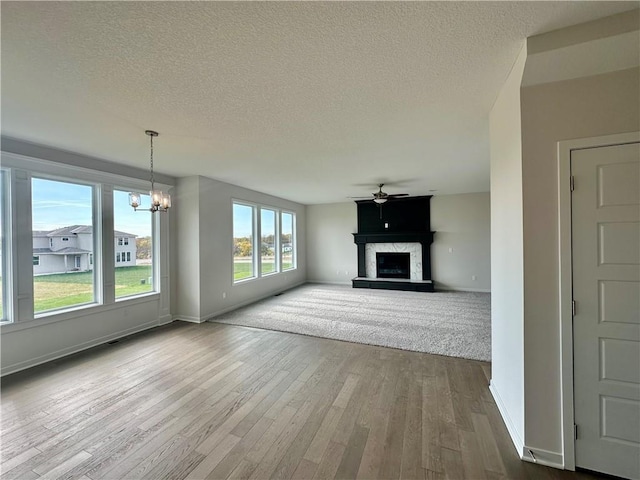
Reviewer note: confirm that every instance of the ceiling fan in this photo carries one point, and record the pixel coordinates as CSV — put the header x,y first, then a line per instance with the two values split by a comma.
x,y
381,197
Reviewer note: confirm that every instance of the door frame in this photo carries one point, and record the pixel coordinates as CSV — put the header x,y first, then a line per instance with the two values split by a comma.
x,y
566,282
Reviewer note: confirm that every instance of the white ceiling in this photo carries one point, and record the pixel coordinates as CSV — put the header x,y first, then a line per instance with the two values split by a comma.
x,y
308,101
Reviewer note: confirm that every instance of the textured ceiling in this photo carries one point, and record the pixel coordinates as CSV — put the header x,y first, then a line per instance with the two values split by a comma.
x,y
308,101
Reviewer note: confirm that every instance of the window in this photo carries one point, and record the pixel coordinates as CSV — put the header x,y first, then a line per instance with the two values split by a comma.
x,y
3,243
65,239
243,241
50,242
138,226
118,257
91,259
57,205
287,239
268,241
277,244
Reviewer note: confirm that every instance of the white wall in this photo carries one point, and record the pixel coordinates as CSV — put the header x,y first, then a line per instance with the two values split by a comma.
x,y
507,283
463,225
332,256
587,107
205,285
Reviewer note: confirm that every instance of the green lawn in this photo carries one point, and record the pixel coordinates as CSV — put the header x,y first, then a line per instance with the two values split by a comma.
x,y
67,289
243,269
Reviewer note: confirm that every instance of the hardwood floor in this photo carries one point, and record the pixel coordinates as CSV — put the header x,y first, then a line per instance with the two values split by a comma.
x,y
219,401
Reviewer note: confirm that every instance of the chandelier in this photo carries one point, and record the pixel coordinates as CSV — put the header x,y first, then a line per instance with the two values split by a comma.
x,y
160,202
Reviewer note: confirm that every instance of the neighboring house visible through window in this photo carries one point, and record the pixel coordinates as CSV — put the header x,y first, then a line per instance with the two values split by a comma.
x,y
60,248
135,274
276,231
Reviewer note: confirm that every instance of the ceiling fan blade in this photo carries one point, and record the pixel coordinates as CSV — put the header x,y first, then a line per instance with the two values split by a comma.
x,y
391,195
365,198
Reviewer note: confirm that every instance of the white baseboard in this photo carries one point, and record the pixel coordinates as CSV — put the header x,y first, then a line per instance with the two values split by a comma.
x,y
461,289
511,428
188,318
324,282
16,367
211,316
543,457
528,454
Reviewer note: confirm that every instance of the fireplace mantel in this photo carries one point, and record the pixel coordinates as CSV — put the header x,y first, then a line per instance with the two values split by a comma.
x,y
390,237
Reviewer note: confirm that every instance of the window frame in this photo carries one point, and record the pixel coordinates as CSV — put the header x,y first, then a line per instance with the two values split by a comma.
x,y
6,241
257,240
19,170
276,241
294,243
254,232
96,189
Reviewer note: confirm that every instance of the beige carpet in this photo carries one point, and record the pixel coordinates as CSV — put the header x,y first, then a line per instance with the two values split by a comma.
x,y
455,324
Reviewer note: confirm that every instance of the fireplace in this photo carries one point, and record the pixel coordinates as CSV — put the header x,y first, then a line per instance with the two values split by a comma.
x,y
392,265
394,243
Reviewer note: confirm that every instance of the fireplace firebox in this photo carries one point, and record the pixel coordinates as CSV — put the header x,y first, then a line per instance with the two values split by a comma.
x,y
392,265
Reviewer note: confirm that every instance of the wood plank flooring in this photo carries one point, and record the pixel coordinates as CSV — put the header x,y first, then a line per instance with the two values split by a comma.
x,y
188,401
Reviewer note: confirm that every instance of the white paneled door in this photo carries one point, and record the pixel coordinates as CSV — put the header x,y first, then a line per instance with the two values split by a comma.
x,y
605,208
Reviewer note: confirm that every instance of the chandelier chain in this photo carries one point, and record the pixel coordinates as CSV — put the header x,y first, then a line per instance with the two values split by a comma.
x,y
152,178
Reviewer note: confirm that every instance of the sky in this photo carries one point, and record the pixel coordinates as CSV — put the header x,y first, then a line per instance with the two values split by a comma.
x,y
242,221
60,204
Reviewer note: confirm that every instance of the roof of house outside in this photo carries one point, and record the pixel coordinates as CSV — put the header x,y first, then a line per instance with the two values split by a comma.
x,y
62,251
78,229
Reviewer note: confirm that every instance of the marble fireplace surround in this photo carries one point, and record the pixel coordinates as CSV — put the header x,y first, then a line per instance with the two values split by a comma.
x,y
414,249
398,241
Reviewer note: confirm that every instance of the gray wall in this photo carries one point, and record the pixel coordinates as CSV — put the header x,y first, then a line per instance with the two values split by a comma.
x,y
462,223
332,257
203,248
461,248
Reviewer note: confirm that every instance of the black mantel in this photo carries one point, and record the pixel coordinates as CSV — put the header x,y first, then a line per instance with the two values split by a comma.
x,y
402,220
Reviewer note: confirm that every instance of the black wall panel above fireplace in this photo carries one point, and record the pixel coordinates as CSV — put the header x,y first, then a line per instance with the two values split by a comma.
x,y
410,214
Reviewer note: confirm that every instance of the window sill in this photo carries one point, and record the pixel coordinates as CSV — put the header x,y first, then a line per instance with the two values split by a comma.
x,y
80,311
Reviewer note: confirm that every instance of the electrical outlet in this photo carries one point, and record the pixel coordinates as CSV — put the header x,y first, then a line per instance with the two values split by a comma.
x,y
474,277
224,294
450,250
346,272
